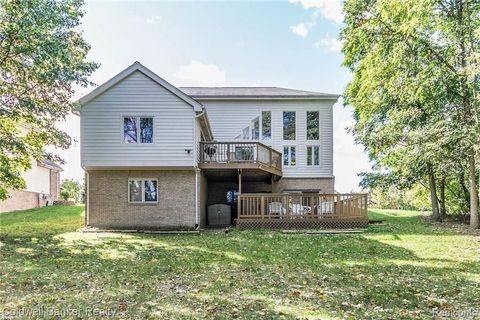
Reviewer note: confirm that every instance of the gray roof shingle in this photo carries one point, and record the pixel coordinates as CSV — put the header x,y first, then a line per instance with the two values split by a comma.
x,y
50,164
253,92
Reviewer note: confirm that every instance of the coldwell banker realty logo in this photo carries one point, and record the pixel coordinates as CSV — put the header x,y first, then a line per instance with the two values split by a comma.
x,y
43,311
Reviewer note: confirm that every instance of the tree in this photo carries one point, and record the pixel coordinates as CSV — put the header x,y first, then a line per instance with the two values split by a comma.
x,y
70,189
42,54
414,91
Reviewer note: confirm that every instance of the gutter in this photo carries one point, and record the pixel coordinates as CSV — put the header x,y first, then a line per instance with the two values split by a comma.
x,y
219,97
203,114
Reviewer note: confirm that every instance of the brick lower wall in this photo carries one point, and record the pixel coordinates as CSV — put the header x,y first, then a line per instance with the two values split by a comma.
x,y
20,200
203,190
108,205
54,185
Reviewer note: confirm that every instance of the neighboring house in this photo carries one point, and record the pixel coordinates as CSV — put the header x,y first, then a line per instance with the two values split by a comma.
x,y
158,156
42,188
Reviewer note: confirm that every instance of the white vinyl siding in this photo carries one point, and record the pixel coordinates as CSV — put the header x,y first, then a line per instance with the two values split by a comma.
x,y
37,179
229,118
137,96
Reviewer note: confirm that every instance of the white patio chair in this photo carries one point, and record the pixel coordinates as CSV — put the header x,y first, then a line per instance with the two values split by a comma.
x,y
297,209
276,208
325,208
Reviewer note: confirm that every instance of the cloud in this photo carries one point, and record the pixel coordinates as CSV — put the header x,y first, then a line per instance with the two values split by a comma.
x,y
300,29
332,44
329,9
202,74
153,19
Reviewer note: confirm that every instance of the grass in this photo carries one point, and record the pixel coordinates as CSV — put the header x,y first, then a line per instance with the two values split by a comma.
x,y
404,269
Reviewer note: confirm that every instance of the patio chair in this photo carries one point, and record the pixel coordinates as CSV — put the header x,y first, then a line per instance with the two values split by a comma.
x,y
297,209
325,208
276,208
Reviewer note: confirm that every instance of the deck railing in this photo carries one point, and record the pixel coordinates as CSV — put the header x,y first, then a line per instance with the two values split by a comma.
x,y
296,205
240,152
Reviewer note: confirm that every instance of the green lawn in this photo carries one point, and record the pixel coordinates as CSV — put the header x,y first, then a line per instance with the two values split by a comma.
x,y
405,268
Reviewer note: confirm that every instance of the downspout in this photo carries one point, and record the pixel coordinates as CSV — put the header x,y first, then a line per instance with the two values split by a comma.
x,y
197,218
87,197
203,113
195,167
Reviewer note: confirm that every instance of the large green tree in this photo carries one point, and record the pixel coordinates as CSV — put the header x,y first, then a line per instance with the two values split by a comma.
x,y
415,70
42,55
70,189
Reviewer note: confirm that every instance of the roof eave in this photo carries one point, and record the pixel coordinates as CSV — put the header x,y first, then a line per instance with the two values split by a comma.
x,y
47,166
137,66
216,97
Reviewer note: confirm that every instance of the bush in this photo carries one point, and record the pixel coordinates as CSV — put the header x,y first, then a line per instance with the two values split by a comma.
x,y
63,203
70,190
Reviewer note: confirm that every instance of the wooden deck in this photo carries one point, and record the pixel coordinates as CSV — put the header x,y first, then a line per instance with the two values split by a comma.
x,y
295,210
240,155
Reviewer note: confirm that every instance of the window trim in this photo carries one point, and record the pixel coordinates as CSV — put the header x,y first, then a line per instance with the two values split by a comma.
x,y
138,117
143,190
313,155
246,129
262,137
306,125
289,162
295,125
252,128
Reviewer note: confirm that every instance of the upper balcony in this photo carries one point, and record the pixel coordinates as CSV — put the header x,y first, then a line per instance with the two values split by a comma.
x,y
240,155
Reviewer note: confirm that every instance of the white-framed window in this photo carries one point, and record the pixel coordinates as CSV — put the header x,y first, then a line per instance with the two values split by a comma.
x,y
137,129
313,155
255,128
289,125
246,133
260,128
266,125
142,190
313,125
289,156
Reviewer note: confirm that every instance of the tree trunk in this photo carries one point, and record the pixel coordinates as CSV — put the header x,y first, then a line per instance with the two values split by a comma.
x,y
474,223
433,195
443,204
468,117
466,192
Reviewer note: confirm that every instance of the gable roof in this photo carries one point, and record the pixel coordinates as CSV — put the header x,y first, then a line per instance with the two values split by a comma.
x,y
254,93
49,164
137,66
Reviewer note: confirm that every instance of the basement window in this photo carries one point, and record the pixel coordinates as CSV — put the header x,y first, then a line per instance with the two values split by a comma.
x,y
142,190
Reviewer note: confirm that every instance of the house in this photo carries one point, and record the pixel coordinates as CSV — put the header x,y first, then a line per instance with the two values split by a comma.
x,y
158,156
42,188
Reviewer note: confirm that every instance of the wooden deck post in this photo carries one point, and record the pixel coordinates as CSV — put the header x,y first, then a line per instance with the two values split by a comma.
x,y
228,153
262,204
239,199
239,181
